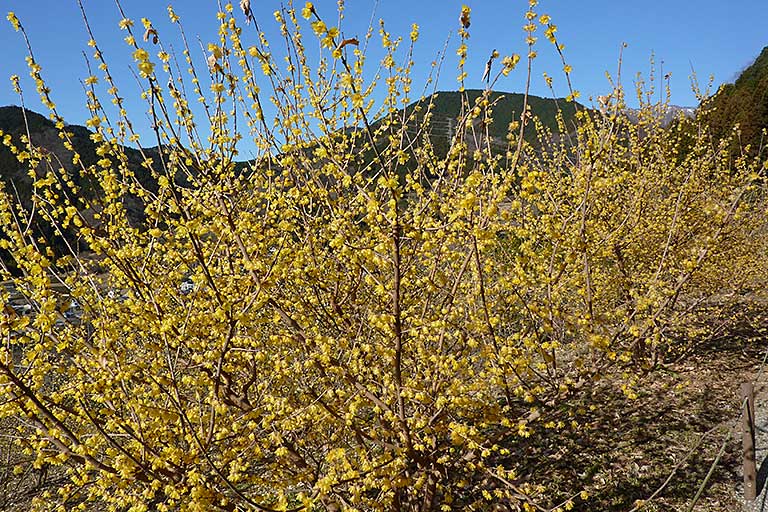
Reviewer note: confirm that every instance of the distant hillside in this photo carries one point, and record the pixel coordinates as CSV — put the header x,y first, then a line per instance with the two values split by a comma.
x,y
44,134
508,107
446,110
744,102
448,107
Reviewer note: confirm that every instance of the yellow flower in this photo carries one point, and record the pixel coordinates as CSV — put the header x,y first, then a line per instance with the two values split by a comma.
x,y
125,23
414,32
14,21
215,50
550,33
464,17
172,15
146,68
509,63
319,27
140,54
308,10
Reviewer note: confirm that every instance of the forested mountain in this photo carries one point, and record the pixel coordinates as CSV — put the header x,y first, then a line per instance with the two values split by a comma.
x,y
507,107
447,107
744,102
43,133
17,124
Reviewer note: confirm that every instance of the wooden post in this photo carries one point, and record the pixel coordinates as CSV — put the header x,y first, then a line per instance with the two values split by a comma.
x,y
748,441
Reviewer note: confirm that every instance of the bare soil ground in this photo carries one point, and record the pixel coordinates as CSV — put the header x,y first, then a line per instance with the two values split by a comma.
x,y
654,453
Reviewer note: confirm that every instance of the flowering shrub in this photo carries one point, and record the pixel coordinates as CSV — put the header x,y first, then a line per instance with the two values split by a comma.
x,y
349,320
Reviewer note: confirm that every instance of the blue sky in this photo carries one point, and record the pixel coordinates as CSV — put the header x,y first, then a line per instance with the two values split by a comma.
x,y
714,38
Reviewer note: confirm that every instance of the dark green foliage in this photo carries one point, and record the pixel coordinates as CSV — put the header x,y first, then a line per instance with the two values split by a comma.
x,y
447,110
43,133
745,103
507,108
12,120
15,175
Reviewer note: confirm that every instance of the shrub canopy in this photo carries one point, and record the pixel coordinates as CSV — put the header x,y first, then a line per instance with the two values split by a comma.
x,y
352,319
